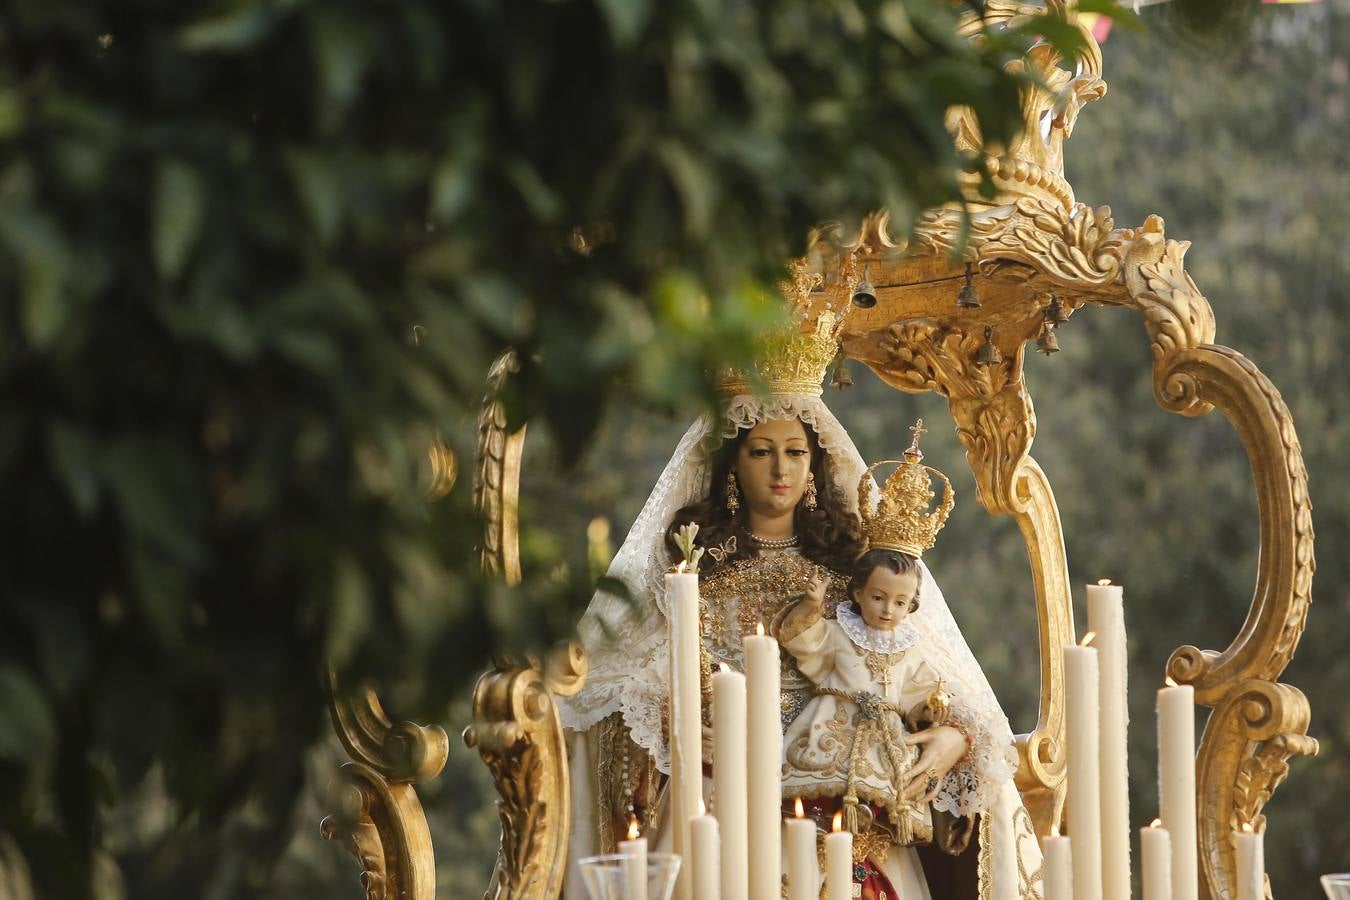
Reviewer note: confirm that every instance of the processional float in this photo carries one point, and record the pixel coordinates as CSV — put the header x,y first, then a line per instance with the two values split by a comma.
x,y
1029,258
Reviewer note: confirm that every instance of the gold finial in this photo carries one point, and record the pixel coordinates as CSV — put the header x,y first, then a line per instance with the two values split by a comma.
x,y
903,518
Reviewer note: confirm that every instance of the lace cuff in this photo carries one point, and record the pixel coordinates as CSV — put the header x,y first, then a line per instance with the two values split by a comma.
x,y
973,784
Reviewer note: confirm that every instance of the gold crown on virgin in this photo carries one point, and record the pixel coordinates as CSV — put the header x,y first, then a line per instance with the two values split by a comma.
x,y
904,517
793,359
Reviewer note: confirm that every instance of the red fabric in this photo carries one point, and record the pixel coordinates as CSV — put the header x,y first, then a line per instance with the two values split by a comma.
x,y
876,886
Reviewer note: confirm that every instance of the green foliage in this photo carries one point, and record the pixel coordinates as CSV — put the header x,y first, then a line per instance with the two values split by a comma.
x,y
220,223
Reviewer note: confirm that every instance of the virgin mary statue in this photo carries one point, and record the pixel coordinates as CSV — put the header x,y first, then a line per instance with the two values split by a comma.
x,y
772,479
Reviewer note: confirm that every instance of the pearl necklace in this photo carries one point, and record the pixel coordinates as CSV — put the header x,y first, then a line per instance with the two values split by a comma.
x,y
774,544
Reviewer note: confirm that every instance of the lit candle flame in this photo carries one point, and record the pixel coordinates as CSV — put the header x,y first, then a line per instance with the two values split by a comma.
x,y
759,629
702,807
633,829
681,567
1247,828
1088,639
798,807
1054,830
723,667
1156,823
1169,682
838,821
1103,582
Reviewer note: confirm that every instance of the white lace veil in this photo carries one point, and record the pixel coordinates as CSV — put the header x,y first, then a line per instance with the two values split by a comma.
x,y
626,642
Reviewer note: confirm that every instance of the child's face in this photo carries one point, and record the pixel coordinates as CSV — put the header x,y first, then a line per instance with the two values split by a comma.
x,y
886,597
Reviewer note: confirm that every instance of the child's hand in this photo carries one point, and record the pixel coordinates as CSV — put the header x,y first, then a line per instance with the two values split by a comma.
x,y
815,591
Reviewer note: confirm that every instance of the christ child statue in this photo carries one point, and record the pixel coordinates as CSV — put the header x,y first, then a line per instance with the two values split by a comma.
x,y
853,741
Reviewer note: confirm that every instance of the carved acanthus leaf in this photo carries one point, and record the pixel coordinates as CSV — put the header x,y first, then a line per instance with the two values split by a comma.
x,y
1076,247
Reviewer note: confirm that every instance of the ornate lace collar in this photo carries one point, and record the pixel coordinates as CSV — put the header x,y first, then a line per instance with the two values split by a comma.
x,y
898,639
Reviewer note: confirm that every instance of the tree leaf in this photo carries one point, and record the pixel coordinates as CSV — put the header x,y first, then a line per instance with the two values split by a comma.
x,y
319,187
626,18
27,728
41,250
240,28
178,211
694,183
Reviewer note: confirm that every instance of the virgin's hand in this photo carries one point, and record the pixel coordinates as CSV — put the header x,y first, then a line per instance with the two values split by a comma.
x,y
943,747
707,745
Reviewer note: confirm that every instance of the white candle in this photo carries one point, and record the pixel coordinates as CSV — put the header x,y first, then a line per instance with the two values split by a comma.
x,y
1085,811
1176,785
803,871
838,862
1057,866
1155,849
686,745
703,831
729,780
1106,617
765,775
634,864
1251,864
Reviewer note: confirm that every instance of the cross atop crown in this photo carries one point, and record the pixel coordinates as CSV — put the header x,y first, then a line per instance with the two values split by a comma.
x,y
919,431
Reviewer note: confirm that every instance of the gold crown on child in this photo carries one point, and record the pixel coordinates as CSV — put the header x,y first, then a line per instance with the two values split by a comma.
x,y
904,517
793,359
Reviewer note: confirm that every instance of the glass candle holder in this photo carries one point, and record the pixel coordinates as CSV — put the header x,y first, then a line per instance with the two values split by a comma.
x,y
1337,886
607,878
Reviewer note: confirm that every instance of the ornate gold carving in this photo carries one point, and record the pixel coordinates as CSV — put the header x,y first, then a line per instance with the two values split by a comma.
x,y
517,732
1073,245
379,818
497,487
1033,164
443,471
1038,245
383,825
1234,782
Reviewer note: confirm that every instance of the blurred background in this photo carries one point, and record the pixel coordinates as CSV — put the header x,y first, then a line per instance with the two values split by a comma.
x,y
209,411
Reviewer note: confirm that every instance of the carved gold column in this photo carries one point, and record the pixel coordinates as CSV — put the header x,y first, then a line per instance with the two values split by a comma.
x,y
515,722
516,730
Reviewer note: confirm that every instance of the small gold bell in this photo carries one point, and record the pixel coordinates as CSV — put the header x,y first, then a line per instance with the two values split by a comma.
x,y
864,296
1046,342
988,354
968,298
1055,313
843,378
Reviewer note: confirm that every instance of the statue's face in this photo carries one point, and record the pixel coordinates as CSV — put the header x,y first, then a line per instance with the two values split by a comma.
x,y
772,464
886,598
